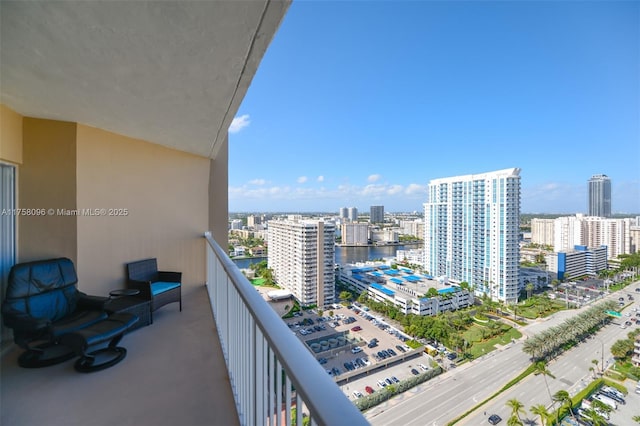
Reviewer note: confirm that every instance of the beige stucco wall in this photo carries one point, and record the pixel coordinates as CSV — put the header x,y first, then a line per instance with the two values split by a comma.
x,y
165,194
219,196
10,135
47,180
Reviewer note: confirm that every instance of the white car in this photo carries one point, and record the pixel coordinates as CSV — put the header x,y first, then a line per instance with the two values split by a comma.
x,y
356,350
357,394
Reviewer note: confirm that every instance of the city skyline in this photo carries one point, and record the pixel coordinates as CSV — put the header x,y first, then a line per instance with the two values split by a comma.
x,y
398,94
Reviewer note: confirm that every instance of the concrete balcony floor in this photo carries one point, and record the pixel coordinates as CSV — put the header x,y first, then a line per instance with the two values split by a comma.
x,y
174,374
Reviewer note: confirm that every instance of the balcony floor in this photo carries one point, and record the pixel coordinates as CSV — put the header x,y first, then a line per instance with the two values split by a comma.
x,y
174,374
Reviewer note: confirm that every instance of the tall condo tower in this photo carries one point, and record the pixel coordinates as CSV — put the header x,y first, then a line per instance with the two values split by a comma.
x,y
600,196
302,256
471,231
352,213
376,214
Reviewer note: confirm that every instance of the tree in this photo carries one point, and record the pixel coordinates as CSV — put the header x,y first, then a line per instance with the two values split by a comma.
x,y
540,410
517,407
346,295
529,287
514,421
541,368
622,348
432,292
595,418
563,397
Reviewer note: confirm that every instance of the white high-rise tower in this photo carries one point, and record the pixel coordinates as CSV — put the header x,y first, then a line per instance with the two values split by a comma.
x,y
302,257
472,231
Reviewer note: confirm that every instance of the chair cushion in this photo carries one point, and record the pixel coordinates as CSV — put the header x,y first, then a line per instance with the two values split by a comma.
x,y
76,322
161,287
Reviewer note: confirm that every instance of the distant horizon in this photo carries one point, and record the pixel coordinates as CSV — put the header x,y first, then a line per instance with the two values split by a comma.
x,y
366,213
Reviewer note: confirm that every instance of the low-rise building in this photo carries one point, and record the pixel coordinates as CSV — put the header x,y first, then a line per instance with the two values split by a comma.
x,y
404,288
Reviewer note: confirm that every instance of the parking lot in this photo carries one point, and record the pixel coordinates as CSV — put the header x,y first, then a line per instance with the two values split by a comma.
x,y
358,349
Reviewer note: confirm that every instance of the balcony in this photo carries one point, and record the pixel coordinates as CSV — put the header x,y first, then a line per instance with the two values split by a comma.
x,y
214,363
172,375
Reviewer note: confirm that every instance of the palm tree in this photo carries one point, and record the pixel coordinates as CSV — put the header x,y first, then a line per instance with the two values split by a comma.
x,y
540,410
595,418
529,287
541,368
563,397
517,407
514,421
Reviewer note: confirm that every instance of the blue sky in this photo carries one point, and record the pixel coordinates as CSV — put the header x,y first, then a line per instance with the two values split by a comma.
x,y
360,103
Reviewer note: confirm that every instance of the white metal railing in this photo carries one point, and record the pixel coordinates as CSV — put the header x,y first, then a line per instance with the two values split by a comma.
x,y
271,371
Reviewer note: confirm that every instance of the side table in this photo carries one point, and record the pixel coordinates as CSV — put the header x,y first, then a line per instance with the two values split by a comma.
x,y
125,300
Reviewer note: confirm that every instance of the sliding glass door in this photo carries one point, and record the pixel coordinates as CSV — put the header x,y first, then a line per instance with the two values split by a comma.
x,y
7,229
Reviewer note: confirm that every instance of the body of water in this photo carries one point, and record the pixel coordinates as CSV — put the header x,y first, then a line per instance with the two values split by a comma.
x,y
347,254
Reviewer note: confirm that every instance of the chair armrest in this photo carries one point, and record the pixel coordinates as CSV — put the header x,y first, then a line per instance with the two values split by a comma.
x,y
91,303
168,276
143,286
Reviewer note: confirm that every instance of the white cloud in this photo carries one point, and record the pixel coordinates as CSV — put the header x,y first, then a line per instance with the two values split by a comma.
x,y
302,179
373,178
395,189
239,123
320,179
257,182
414,188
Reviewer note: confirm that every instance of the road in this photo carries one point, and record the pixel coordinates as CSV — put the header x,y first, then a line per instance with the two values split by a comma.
x,y
444,398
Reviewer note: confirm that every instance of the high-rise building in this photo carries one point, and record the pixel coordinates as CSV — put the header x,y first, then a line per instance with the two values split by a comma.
x,y
355,234
376,214
472,231
600,196
352,214
344,213
302,257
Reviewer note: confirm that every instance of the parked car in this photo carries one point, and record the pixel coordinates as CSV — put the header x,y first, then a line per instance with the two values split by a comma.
x,y
368,389
357,394
414,372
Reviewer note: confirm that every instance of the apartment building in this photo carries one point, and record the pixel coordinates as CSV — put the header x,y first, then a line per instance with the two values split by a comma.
x,y
376,214
542,231
472,231
578,262
590,231
301,255
354,234
599,196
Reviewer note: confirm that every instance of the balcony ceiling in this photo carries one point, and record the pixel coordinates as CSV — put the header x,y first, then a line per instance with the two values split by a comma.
x,y
168,72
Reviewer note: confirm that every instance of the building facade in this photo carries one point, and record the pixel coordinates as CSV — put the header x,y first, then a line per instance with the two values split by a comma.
x,y
301,255
542,231
600,196
355,234
352,214
579,262
376,214
472,231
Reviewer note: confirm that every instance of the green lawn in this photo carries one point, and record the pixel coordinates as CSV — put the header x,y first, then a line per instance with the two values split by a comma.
x,y
479,347
533,311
